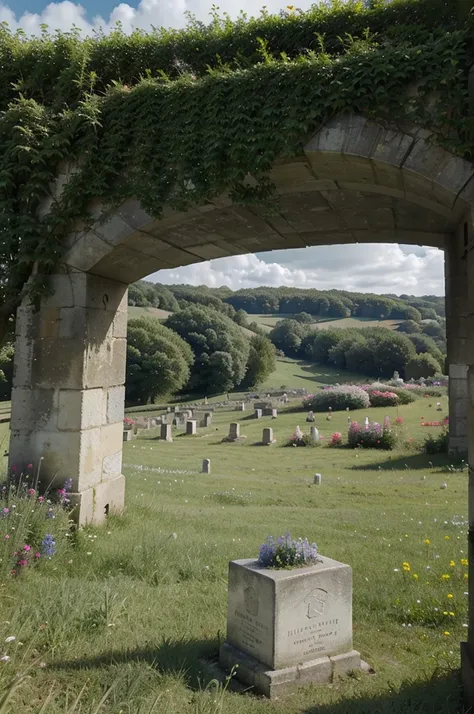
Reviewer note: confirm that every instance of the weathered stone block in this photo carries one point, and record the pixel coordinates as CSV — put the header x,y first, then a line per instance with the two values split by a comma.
x,y
115,404
80,409
191,427
286,617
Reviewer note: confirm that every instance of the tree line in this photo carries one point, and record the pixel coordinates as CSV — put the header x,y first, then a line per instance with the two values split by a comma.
x,y
373,351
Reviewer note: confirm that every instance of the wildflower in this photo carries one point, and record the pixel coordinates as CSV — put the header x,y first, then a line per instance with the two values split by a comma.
x,y
427,541
447,634
11,638
41,499
30,466
6,537
27,548
450,596
23,562
415,576
5,658
48,546
445,576
464,561
5,511
465,576
451,614
452,563
446,538
50,513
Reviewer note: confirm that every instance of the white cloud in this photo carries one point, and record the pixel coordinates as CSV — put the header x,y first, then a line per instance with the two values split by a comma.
x,y
381,268
148,13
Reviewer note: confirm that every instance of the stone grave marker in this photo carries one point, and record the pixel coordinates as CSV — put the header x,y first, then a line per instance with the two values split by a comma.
x,y
274,413
206,466
166,434
207,420
310,417
258,413
314,435
267,436
191,427
291,627
234,430
241,407
127,435
317,479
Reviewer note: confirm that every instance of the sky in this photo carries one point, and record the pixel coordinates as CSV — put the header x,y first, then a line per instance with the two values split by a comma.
x,y
365,268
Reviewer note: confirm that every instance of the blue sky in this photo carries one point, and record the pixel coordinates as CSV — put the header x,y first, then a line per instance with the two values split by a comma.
x,y
412,269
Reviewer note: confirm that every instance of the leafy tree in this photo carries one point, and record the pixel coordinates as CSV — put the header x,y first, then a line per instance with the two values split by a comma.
x,y
410,327
7,353
158,361
426,345
433,329
287,335
320,343
209,332
304,317
261,361
391,353
423,365
241,318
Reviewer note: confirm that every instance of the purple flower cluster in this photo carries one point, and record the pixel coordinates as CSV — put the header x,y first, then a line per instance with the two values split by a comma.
x,y
63,493
48,546
284,552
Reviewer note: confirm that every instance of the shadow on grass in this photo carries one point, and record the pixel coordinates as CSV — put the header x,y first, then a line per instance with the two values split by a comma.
x,y
179,657
320,377
438,695
408,462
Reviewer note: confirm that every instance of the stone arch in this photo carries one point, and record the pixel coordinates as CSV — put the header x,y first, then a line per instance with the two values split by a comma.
x,y
355,181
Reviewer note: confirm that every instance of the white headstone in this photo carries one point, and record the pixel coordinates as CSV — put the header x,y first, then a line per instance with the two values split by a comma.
x,y
315,438
267,436
166,434
274,413
127,434
317,479
207,420
258,413
191,427
206,466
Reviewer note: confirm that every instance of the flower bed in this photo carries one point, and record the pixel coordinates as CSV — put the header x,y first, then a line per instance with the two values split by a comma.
x,y
338,398
301,439
404,395
371,436
383,399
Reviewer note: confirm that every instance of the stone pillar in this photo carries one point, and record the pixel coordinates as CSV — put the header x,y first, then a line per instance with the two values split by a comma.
x,y
457,337
68,393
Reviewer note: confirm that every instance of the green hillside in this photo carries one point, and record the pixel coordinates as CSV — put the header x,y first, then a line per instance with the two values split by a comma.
x,y
268,322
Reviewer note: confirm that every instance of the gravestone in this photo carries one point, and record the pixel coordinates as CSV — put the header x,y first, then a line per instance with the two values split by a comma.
x,y
206,466
291,627
274,413
241,407
317,479
166,434
207,420
267,436
310,417
234,430
191,427
127,435
314,435
258,413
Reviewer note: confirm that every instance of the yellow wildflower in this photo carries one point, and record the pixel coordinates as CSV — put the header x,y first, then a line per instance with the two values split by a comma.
x,y
446,537
445,612
405,563
446,633
445,576
465,576
406,568
452,563
451,614
450,596
464,561
415,576
427,541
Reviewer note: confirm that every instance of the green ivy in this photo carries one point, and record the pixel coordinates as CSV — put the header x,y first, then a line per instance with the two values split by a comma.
x,y
175,117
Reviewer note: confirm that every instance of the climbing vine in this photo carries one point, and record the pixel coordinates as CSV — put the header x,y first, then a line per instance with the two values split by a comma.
x,y
175,117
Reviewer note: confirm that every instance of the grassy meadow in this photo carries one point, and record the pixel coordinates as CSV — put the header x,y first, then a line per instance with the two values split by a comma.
x,y
268,322
117,621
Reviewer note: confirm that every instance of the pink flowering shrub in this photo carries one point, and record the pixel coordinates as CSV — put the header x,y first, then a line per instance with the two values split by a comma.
x,y
399,421
372,436
336,439
404,395
128,423
383,399
347,396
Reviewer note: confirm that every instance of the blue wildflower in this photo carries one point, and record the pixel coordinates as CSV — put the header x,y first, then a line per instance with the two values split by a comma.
x,y
48,546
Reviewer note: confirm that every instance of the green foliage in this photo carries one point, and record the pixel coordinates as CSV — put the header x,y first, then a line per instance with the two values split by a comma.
x,y
422,365
424,344
405,396
372,437
7,352
220,348
145,294
166,117
410,327
261,361
438,444
288,335
304,317
158,361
